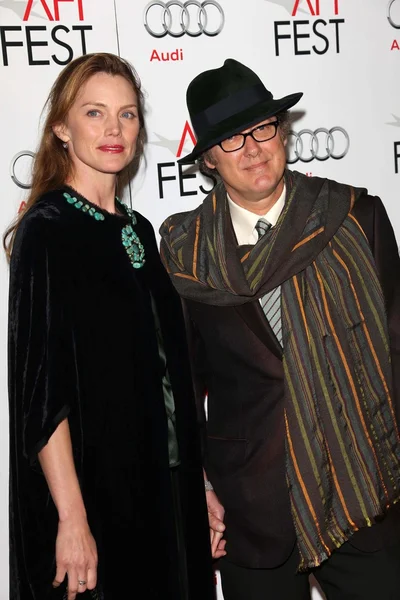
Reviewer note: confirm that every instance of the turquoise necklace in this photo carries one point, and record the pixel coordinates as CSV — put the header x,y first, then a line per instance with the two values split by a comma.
x,y
131,242
130,239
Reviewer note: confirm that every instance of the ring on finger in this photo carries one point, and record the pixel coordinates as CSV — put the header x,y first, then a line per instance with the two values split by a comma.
x,y
82,581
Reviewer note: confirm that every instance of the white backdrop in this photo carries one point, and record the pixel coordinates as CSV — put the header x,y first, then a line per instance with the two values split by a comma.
x,y
343,54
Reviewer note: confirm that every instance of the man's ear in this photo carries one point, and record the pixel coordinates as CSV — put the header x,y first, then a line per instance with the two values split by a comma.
x,y
283,137
60,131
209,160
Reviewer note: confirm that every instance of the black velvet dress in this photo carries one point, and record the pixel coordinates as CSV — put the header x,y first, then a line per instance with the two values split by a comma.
x,y
83,345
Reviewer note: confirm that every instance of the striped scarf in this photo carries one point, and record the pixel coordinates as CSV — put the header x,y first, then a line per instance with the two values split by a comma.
x,y
342,442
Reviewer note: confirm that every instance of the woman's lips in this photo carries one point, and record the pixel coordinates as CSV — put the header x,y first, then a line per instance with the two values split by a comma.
x,y
112,149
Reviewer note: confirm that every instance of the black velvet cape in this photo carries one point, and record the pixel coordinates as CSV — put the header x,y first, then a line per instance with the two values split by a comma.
x,y
82,345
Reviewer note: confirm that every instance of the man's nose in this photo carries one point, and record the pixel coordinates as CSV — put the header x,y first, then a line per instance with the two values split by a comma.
x,y
251,147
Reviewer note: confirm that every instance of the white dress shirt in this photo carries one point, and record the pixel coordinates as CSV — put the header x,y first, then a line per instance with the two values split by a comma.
x,y
244,221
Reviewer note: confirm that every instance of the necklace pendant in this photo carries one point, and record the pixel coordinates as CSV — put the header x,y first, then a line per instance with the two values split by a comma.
x,y
133,246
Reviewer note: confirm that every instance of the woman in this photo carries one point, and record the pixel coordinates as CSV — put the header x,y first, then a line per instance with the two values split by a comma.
x,y
106,488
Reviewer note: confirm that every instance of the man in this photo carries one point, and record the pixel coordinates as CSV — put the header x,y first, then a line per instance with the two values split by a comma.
x,y
292,293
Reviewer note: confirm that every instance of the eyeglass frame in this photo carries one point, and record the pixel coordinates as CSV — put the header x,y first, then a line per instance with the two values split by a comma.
x,y
275,123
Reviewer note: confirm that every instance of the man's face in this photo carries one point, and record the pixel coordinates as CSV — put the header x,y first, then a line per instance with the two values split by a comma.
x,y
253,175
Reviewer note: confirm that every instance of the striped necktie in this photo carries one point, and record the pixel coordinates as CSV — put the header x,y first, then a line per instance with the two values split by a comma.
x,y
271,302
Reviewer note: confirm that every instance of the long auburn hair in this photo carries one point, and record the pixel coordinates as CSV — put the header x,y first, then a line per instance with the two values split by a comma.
x,y
52,164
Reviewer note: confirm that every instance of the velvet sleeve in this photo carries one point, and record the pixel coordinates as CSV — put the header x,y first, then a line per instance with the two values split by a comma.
x,y
42,375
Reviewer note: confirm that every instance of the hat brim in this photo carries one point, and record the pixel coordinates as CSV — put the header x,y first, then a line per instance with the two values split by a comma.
x,y
238,122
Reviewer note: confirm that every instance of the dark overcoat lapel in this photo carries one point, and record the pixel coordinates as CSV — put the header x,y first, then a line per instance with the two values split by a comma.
x,y
253,315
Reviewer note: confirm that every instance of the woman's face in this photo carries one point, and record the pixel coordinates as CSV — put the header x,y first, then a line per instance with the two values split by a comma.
x,y
102,126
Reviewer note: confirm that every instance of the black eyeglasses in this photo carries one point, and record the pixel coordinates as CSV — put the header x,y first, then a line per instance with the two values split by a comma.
x,y
261,133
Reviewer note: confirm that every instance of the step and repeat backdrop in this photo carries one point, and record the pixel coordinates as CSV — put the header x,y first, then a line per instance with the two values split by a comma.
x,y
343,54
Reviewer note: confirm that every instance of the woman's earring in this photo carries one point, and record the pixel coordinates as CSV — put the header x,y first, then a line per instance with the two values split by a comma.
x,y
65,145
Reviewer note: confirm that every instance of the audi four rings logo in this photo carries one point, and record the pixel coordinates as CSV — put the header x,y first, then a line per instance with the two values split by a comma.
x,y
191,17
390,14
320,144
13,167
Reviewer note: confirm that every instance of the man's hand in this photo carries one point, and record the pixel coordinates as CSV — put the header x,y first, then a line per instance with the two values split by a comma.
x,y
216,514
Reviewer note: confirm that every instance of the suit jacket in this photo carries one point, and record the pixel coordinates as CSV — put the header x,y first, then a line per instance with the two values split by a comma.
x,y
237,362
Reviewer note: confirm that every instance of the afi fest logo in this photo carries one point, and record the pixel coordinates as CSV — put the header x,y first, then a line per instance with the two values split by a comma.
x,y
396,145
393,16
174,173
42,43
317,34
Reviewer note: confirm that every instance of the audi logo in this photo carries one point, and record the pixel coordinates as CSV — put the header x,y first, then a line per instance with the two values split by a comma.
x,y
390,17
320,144
15,159
206,17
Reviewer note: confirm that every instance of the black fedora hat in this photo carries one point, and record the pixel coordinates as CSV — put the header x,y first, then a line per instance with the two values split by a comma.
x,y
227,100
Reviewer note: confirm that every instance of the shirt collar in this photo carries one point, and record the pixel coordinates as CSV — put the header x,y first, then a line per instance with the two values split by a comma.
x,y
244,221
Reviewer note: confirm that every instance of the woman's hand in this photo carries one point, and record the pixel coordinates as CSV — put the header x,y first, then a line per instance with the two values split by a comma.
x,y
76,553
76,556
